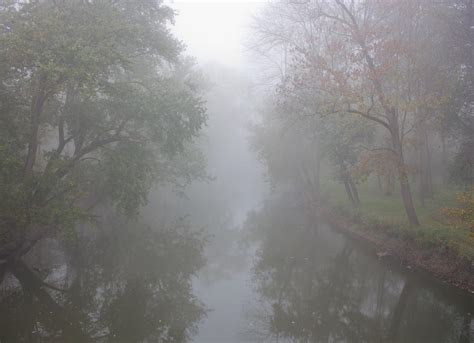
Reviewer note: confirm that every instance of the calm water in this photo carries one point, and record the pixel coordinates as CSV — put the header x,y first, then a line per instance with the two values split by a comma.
x,y
307,283
282,278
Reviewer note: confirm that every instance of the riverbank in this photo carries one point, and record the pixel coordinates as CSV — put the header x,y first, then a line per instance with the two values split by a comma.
x,y
404,245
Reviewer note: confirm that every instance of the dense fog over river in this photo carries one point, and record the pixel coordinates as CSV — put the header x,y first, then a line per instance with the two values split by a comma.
x,y
237,171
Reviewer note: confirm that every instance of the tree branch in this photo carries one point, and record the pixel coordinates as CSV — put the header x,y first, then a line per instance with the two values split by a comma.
x,y
370,117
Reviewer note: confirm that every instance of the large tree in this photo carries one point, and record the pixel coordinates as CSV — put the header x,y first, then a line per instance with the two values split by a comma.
x,y
96,103
360,58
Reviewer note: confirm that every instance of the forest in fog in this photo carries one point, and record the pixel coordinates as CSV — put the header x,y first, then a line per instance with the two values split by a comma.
x,y
318,187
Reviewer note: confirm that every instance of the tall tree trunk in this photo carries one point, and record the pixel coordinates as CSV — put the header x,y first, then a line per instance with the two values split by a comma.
x,y
388,179
379,183
37,104
308,185
407,198
425,174
389,184
402,172
317,171
349,191
428,170
311,178
317,184
355,193
421,177
444,160
3,271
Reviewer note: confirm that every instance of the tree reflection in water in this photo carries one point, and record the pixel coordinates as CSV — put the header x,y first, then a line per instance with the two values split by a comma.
x,y
118,283
313,285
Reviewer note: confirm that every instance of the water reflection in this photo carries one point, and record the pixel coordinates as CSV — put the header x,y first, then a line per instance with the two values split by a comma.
x,y
313,285
132,284
124,282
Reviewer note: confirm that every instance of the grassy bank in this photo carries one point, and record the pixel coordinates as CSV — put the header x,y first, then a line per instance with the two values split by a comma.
x,y
386,214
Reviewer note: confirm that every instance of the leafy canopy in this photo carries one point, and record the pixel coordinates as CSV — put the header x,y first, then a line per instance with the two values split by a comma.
x,y
96,103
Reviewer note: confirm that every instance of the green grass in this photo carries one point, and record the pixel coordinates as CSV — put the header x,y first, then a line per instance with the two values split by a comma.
x,y
376,208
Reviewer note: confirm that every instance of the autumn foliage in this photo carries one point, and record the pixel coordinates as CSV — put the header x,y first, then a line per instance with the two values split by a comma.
x,y
462,216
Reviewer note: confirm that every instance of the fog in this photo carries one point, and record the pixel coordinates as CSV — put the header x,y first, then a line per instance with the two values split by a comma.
x,y
232,103
236,171
237,185
216,31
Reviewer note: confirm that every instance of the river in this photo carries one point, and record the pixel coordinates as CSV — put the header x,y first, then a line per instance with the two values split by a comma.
x,y
280,276
300,281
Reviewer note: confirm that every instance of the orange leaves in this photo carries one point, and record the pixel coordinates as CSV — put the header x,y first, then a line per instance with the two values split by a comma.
x,y
383,162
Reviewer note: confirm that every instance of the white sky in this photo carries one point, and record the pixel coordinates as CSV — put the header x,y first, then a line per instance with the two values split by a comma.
x,y
215,30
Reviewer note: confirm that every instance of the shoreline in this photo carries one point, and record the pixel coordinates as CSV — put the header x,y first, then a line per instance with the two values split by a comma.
x,y
441,264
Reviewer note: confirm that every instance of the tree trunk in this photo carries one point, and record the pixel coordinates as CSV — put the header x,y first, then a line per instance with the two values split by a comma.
x,y
3,271
389,184
391,180
388,178
421,177
317,184
379,183
407,198
444,160
308,185
355,193
317,172
37,104
402,172
349,191
425,174
428,162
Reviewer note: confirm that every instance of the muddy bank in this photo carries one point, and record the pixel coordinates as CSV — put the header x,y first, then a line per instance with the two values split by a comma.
x,y
442,263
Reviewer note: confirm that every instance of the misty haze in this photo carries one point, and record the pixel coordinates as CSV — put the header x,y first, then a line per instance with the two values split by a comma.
x,y
237,171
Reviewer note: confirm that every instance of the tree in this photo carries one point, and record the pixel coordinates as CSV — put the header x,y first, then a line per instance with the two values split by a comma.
x,y
290,149
360,58
344,139
462,216
456,19
95,104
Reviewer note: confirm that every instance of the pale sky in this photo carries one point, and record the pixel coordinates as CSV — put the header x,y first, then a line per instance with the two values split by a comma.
x,y
215,30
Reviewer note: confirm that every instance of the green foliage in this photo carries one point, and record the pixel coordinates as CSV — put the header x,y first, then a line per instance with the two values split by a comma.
x,y
96,104
343,139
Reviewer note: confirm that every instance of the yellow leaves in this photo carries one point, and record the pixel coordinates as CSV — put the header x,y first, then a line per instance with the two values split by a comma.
x,y
462,216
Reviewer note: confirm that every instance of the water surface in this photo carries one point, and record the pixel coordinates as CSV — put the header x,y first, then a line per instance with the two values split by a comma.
x,y
281,277
308,283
